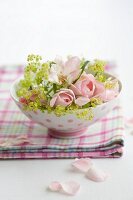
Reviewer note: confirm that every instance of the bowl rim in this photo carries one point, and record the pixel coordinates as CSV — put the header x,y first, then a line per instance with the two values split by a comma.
x,y
12,90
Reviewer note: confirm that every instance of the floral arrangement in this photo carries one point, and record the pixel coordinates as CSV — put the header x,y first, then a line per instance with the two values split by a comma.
x,y
72,86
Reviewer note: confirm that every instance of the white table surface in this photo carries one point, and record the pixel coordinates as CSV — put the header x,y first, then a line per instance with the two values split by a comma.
x,y
95,29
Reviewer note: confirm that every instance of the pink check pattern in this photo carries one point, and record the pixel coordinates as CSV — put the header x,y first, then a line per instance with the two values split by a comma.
x,y
103,139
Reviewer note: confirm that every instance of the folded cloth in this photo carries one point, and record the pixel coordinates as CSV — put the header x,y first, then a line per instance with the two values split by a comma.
x,y
21,138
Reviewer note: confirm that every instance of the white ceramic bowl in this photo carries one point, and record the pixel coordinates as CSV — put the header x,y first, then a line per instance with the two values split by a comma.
x,y
68,126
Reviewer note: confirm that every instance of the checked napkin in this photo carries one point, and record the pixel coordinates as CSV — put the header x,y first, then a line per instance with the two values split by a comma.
x,y
21,138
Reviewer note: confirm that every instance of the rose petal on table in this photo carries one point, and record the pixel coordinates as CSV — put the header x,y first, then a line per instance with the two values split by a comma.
x,y
19,140
82,164
55,186
5,144
69,187
96,174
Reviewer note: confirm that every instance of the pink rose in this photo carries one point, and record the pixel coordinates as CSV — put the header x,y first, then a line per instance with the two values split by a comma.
x,y
108,94
63,98
87,86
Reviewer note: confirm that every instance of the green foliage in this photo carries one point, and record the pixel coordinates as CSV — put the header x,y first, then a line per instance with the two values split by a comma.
x,y
83,66
97,68
85,114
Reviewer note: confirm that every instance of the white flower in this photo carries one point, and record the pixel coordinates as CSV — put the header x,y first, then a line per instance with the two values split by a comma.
x,y
53,73
68,70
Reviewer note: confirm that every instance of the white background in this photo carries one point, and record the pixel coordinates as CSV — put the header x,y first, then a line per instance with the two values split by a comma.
x,y
92,28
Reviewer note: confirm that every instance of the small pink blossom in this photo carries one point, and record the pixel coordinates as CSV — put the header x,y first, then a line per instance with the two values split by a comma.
x,y
23,100
64,97
33,97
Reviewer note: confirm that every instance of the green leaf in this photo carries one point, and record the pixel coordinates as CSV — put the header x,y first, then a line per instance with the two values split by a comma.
x,y
82,70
